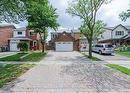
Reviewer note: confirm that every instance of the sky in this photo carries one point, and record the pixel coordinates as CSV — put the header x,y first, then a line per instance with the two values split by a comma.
x,y
109,13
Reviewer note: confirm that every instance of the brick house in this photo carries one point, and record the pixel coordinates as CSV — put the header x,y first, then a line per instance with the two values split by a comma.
x,y
67,41
24,35
6,32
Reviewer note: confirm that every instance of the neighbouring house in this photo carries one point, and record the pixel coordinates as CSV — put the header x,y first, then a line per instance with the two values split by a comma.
x,y
117,35
24,35
68,41
6,32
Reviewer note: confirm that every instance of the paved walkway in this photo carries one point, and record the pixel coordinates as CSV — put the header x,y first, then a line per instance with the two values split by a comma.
x,y
4,54
115,59
70,72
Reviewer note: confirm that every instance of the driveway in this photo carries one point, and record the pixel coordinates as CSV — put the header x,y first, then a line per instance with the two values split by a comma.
x,y
69,72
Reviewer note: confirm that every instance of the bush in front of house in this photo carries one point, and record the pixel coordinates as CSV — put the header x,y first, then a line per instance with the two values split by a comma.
x,y
123,48
23,46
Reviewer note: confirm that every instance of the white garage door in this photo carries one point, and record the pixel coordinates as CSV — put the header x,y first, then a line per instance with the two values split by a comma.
x,y
64,46
13,46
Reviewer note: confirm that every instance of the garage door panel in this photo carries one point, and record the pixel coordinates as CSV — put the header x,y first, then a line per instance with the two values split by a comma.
x,y
64,46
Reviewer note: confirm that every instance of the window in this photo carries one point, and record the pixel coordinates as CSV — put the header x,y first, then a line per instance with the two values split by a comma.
x,y
119,33
19,33
128,32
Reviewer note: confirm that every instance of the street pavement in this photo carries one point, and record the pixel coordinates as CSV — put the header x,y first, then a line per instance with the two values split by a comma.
x,y
69,72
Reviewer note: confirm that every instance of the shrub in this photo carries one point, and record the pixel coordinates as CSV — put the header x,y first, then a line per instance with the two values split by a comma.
x,y
23,46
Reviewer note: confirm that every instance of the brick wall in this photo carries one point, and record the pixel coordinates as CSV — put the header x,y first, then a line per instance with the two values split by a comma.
x,y
5,34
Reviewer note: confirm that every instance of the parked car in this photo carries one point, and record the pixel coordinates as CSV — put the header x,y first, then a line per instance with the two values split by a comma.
x,y
103,48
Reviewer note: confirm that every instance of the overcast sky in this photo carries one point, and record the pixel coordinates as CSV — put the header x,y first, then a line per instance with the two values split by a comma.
x,y
108,13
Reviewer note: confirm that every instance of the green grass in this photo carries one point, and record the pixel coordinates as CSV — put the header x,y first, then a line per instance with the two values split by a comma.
x,y
35,56
15,57
93,58
120,68
10,72
127,54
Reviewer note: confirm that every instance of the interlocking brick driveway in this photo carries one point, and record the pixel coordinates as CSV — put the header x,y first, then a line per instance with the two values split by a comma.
x,y
70,72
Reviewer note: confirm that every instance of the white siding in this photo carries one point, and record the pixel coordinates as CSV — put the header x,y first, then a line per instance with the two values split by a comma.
x,y
84,46
15,34
106,35
119,28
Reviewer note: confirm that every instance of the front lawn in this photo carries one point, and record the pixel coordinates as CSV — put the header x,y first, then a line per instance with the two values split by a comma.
x,y
33,57
16,57
127,54
120,68
93,58
10,72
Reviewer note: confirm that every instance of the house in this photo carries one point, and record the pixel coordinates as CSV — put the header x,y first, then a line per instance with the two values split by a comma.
x,y
67,41
6,32
117,35
24,35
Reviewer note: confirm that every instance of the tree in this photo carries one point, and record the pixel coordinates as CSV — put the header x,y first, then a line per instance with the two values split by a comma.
x,y
87,11
98,30
125,15
23,46
42,16
39,14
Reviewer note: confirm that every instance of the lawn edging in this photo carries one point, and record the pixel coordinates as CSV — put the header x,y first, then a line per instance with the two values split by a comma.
x,y
92,59
119,68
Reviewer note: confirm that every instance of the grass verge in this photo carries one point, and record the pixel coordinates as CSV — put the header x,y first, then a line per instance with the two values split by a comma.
x,y
35,56
127,54
10,72
16,57
93,58
119,68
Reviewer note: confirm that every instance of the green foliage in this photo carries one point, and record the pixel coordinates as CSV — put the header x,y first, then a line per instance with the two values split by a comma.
x,y
23,46
34,57
126,53
125,15
120,68
87,11
12,11
10,72
97,30
16,57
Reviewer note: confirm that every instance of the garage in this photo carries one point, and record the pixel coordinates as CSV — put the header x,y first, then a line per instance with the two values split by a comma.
x,y
13,45
64,46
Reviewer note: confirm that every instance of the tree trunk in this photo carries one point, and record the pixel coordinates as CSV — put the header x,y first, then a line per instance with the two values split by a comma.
x,y
43,50
90,49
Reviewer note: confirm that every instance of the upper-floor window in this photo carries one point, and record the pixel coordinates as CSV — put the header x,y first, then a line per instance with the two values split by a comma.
x,y
128,32
119,33
19,33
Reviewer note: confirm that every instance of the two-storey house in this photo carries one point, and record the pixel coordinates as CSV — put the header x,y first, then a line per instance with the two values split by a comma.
x,y
68,41
6,32
117,35
24,35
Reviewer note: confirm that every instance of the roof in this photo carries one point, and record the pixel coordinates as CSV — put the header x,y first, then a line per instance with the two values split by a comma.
x,y
64,37
21,29
126,36
7,25
20,38
112,28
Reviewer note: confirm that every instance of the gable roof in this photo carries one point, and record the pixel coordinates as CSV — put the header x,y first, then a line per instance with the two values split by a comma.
x,y
64,37
113,28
